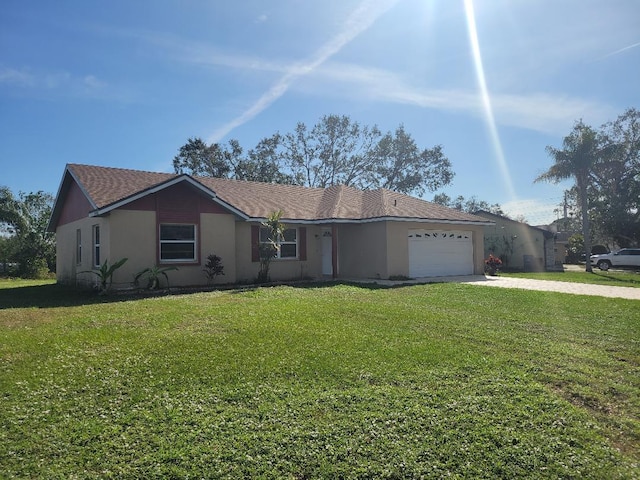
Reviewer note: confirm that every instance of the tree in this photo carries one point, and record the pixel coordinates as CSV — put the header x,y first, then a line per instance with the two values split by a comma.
x,y
582,150
470,205
198,158
615,192
25,219
264,164
336,151
339,151
7,252
401,166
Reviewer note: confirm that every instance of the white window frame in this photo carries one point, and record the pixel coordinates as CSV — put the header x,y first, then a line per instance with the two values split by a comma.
x,y
193,242
281,241
96,245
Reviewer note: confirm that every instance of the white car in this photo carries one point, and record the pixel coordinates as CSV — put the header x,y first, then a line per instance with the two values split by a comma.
x,y
625,258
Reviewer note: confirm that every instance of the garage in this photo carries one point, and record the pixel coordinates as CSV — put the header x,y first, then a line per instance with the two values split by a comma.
x,y
440,253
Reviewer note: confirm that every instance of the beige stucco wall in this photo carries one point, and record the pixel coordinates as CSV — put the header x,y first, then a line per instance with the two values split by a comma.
x,y
132,234
365,250
66,264
285,269
135,237
362,250
513,240
73,271
218,236
381,249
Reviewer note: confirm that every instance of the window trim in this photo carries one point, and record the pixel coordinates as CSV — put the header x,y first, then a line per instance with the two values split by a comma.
x,y
194,242
282,242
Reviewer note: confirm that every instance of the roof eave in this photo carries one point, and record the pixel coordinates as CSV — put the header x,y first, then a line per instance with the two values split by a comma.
x,y
325,221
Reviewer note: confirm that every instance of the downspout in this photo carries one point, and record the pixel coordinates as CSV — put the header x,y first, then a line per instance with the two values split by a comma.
x,y
334,251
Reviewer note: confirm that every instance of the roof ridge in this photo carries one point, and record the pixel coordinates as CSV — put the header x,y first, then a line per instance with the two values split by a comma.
x,y
253,182
383,201
125,169
338,200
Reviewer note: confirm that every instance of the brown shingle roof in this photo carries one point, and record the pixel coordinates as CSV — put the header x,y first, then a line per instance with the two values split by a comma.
x,y
106,187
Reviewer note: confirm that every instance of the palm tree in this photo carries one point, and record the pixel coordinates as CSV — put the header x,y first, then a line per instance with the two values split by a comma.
x,y
581,151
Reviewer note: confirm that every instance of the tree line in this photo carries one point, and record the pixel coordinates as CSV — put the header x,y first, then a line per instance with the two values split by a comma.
x,y
26,248
335,151
604,164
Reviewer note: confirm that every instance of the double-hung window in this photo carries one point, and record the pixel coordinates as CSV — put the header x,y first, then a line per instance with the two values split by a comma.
x,y
96,246
288,242
177,243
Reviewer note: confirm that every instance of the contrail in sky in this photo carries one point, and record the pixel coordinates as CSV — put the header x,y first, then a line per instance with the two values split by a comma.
x,y
359,21
629,47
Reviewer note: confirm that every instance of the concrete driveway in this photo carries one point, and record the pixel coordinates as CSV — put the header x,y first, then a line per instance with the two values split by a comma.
x,y
630,293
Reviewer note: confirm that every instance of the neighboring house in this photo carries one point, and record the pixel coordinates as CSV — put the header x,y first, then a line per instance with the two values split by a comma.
x,y
178,220
561,244
520,246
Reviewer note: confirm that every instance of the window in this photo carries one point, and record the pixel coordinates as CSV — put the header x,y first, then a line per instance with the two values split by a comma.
x,y
96,246
288,242
78,246
177,243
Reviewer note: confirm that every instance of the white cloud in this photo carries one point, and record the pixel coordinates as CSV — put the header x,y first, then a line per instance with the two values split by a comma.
x,y
60,84
93,82
359,21
21,78
542,112
534,211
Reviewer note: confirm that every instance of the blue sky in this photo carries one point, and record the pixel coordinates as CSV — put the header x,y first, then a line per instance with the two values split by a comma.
x,y
125,83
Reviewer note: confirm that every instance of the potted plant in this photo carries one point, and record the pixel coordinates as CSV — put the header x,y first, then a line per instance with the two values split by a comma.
x,y
492,265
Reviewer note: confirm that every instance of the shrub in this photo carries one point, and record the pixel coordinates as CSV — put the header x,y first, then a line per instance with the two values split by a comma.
x,y
213,268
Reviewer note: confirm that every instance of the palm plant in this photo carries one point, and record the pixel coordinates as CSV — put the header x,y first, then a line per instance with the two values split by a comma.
x,y
269,249
153,276
582,149
105,273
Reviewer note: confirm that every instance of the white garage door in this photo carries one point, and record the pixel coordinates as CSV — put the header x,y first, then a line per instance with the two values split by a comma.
x,y
440,253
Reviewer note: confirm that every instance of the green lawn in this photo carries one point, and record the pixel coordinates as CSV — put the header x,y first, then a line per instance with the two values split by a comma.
x,y
331,381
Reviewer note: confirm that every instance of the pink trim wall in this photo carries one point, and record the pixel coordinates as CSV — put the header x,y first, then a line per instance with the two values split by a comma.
x,y
75,207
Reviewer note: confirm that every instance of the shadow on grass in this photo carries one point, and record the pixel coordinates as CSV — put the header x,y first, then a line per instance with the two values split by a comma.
x,y
614,278
56,295
50,296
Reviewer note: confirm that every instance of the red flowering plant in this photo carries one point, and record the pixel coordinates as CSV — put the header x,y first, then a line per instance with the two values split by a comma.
x,y
492,264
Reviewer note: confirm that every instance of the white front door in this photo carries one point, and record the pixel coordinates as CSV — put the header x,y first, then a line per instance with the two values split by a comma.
x,y
327,252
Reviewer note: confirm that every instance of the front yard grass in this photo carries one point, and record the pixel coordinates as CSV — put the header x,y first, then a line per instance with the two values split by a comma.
x,y
322,381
